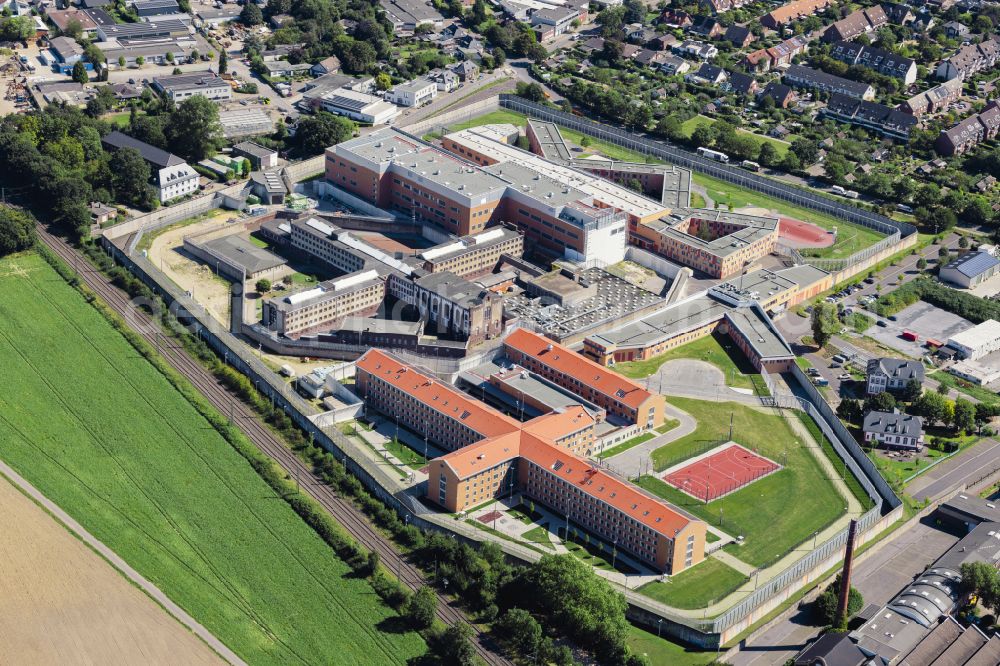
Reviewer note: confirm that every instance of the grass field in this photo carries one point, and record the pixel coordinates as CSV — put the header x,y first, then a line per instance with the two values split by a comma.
x,y
101,432
850,237
980,393
662,651
689,126
695,587
713,349
405,454
775,513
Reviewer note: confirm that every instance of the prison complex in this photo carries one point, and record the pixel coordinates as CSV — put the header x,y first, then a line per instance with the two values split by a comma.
x,y
492,455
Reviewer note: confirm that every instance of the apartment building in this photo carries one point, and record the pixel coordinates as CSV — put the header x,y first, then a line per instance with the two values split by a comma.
x,y
792,11
879,60
860,22
883,119
473,256
413,93
620,396
492,455
325,305
970,132
799,76
970,59
935,100
892,374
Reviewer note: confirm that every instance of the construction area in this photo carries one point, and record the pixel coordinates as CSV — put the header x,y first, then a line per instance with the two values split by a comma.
x,y
14,79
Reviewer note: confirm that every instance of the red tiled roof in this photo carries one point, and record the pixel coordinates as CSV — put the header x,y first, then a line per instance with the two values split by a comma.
x,y
582,369
554,425
438,395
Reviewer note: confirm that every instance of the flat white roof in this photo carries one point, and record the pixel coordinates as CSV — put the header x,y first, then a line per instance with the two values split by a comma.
x,y
977,336
608,193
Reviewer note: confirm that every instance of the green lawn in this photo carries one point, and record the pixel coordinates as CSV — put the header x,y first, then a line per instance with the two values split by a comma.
x,y
897,471
595,553
980,393
667,426
850,239
499,116
405,454
119,119
697,201
774,514
714,349
539,535
698,586
662,651
100,431
625,446
689,126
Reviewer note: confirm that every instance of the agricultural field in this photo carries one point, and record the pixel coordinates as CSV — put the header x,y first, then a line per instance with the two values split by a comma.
x,y
774,514
62,603
102,433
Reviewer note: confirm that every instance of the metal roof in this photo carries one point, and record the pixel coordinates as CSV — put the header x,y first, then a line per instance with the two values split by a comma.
x,y
973,263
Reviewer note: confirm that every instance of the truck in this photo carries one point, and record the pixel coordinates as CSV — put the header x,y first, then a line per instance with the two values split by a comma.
x,y
750,165
837,189
909,335
821,381
713,155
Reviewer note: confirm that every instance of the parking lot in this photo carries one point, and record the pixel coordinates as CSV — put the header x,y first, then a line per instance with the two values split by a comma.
x,y
925,320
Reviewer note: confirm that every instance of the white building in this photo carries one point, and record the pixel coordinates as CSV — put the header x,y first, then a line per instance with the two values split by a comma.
x,y
975,373
971,269
180,87
172,176
413,93
360,106
978,341
178,180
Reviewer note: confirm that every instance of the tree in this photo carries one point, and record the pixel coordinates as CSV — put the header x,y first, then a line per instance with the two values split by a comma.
x,y
964,416
519,631
611,21
921,264
982,580
383,81
322,130
911,392
881,402
251,15
130,175
532,92
263,286
703,136
193,130
825,606
223,62
931,406
791,162
850,410
17,230
121,62
140,61
479,13
806,150
452,646
977,211
80,73
768,155
963,242
824,323
420,608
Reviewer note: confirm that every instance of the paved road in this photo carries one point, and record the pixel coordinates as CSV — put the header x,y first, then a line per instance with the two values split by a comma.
x,y
964,468
878,577
635,461
134,576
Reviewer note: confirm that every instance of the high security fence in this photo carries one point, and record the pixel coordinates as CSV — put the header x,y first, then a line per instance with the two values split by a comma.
x,y
892,229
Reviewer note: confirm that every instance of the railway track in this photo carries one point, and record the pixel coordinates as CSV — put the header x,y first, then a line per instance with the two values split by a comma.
x,y
345,512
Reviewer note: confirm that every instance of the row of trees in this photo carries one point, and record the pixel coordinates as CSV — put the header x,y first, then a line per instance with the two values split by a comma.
x,y
963,304
961,414
17,230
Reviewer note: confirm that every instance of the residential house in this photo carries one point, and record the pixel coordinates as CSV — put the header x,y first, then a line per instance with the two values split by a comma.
x,y
970,132
722,6
650,58
446,80
955,30
892,374
970,59
739,36
329,65
413,93
699,50
894,430
662,42
757,61
466,71
898,14
284,69
171,175
672,65
814,79
879,60
935,100
783,95
707,74
675,18
883,119
707,27
860,22
792,11
554,20
783,53
741,84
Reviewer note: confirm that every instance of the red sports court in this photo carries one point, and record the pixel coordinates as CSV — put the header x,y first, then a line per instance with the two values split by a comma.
x,y
801,234
720,472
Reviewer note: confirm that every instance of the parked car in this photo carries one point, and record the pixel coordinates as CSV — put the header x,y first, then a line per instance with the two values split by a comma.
x,y
839,358
844,376
881,323
891,317
870,280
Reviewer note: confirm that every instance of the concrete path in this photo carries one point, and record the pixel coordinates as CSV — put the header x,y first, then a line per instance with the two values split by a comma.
x,y
636,460
118,563
970,465
739,565
692,378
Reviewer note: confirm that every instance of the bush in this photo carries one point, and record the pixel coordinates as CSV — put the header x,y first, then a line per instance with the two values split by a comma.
x,y
825,606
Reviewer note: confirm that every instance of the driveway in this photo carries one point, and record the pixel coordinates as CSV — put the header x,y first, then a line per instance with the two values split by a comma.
x,y
636,461
691,378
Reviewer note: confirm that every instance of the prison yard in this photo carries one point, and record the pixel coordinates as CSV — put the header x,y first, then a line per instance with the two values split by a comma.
x,y
851,237
101,432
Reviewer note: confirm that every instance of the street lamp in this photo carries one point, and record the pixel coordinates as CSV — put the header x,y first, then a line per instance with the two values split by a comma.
x,y
659,623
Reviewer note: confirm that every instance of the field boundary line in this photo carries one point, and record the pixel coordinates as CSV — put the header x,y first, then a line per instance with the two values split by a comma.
x,y
150,589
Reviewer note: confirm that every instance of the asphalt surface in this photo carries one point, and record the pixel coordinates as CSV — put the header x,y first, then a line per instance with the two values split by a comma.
x,y
958,471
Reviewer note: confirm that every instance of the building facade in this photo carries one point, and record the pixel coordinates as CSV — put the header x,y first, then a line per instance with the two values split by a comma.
x,y
892,374
324,305
894,430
